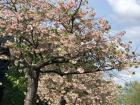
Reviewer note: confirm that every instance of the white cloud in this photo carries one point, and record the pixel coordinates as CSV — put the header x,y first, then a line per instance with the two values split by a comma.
x,y
126,76
137,76
133,33
126,9
122,77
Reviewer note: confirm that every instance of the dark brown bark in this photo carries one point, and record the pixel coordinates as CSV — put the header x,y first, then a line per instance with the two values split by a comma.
x,y
63,101
32,85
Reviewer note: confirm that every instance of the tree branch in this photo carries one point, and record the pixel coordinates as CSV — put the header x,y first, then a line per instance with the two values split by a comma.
x,y
59,72
54,60
14,6
76,11
73,18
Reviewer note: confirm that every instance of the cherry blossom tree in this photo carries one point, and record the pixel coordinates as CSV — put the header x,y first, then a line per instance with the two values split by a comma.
x,y
60,37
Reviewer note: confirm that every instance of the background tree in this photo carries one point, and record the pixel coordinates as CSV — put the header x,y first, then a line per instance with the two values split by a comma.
x,y
130,94
60,37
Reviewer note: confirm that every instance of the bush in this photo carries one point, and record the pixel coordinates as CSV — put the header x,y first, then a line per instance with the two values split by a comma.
x,y
14,88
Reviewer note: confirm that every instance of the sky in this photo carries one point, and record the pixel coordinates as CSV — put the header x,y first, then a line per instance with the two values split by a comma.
x,y
123,15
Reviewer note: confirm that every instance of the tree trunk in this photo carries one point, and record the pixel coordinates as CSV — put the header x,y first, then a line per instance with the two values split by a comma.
x,y
63,101
32,85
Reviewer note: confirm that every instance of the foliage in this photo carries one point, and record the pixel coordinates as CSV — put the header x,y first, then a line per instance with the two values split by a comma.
x,y
130,94
15,87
